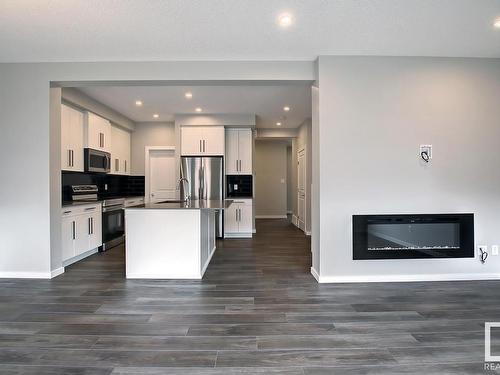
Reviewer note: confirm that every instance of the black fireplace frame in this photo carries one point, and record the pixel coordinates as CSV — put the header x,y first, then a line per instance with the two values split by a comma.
x,y
360,236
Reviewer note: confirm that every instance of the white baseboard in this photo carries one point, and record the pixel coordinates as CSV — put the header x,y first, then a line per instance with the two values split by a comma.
x,y
315,274
25,275
238,235
57,272
80,257
406,278
295,221
270,216
308,233
289,212
163,276
254,231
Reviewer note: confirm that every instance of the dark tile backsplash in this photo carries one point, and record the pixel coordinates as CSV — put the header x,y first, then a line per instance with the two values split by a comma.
x,y
116,185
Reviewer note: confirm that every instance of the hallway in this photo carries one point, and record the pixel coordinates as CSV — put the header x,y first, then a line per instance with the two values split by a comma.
x,y
258,310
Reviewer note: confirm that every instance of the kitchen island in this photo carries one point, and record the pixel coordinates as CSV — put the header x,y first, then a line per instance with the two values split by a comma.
x,y
174,240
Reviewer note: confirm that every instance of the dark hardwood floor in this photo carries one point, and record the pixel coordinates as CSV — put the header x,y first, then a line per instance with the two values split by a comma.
x,y
257,311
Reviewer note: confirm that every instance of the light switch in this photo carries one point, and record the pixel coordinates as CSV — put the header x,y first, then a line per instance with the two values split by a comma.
x,y
494,250
282,180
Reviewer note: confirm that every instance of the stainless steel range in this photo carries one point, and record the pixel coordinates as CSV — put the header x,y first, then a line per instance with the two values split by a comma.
x,y
113,214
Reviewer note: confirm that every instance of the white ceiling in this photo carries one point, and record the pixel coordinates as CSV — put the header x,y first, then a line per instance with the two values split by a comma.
x,y
97,30
266,102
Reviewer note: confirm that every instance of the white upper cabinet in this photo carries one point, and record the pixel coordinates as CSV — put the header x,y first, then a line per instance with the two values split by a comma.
x,y
239,144
72,132
202,140
97,132
120,151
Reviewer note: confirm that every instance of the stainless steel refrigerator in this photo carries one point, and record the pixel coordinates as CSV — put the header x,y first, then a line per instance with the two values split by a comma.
x,y
205,180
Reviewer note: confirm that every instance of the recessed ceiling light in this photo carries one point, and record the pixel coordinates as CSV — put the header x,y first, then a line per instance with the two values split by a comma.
x,y
138,103
285,20
496,24
286,109
198,109
188,95
156,115
278,124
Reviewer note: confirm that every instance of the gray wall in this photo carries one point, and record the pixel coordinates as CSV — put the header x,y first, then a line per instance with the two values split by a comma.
x,y
270,167
149,134
30,195
373,115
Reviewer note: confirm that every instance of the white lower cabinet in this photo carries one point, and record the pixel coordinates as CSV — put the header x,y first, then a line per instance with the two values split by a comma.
x,y
238,219
81,231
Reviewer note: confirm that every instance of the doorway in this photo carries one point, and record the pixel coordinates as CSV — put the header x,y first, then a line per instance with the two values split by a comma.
x,y
301,189
160,180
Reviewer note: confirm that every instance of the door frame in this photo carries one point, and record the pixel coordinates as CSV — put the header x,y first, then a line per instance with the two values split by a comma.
x,y
304,150
147,177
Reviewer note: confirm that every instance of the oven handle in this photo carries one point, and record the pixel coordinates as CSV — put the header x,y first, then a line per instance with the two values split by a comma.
x,y
113,208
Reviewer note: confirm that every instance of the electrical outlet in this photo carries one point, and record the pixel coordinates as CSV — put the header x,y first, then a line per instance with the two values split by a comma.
x,y
494,250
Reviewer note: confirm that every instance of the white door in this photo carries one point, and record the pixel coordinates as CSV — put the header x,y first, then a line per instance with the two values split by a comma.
x,y
191,140
245,218
213,140
161,175
245,145
231,218
301,190
232,162
68,237
76,136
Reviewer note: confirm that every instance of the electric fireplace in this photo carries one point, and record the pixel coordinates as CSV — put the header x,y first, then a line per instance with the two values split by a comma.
x,y
413,236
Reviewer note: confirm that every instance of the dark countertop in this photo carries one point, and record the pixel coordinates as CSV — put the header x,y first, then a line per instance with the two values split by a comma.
x,y
189,205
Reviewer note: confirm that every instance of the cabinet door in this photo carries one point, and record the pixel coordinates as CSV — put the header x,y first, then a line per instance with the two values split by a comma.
x,y
65,138
245,218
191,140
126,152
231,219
98,132
68,237
115,148
95,222
245,145
213,137
76,139
82,234
231,157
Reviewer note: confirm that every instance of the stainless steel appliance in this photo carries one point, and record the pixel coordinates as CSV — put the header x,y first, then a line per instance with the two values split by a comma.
x,y
204,178
113,214
97,161
113,223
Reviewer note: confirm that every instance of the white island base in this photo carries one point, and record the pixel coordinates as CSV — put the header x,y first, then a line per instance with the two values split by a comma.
x,y
168,243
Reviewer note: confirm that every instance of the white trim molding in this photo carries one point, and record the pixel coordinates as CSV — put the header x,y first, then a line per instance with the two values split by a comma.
x,y
315,274
270,216
406,278
25,275
56,272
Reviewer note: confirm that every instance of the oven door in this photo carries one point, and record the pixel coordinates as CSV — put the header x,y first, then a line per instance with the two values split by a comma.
x,y
113,226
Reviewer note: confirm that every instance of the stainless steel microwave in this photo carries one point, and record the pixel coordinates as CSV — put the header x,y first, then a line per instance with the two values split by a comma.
x,y
97,161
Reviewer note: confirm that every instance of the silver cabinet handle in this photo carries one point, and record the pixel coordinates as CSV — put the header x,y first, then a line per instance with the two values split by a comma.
x,y
90,209
66,212
72,158
203,145
236,165
103,140
125,166
236,214
69,158
73,225
117,165
92,222
200,145
90,225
